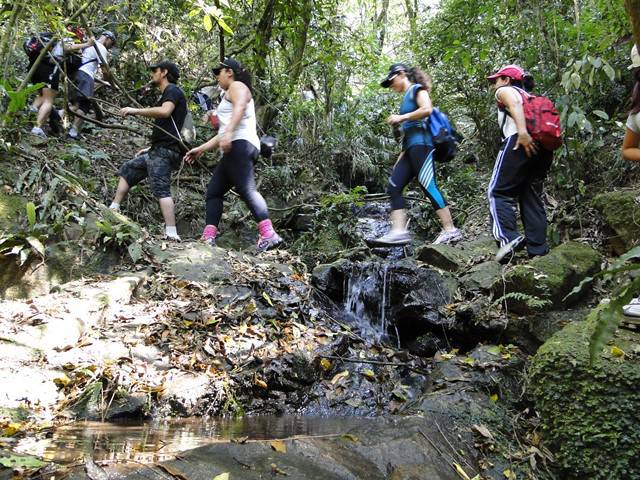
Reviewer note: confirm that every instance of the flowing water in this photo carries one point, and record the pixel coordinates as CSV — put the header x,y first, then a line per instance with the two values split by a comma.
x,y
366,298
153,441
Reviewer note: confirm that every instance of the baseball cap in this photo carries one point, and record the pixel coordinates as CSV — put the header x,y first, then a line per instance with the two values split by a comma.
x,y
635,58
514,72
394,70
110,34
167,65
228,63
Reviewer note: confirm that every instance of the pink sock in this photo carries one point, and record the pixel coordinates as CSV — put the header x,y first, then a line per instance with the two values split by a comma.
x,y
265,228
209,232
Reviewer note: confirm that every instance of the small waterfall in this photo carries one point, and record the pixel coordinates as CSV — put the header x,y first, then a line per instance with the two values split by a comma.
x,y
366,297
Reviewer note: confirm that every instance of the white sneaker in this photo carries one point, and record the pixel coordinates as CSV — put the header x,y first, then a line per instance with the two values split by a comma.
x,y
632,309
505,253
72,133
38,132
448,236
392,239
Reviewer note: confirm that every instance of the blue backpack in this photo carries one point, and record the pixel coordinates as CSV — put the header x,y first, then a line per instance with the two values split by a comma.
x,y
445,138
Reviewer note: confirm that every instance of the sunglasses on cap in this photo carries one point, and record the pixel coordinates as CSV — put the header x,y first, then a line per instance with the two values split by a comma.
x,y
217,70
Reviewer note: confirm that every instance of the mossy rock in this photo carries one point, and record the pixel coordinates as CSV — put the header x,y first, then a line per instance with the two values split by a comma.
x,y
455,258
590,414
544,282
620,212
11,206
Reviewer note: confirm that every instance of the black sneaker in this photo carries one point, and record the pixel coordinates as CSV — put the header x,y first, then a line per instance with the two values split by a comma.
x,y
505,253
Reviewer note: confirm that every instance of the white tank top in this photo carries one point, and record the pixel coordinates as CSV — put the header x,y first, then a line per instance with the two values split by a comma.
x,y
246,128
509,123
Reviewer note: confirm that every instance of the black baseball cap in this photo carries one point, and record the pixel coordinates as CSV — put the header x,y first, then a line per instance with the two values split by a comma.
x,y
169,66
228,63
394,70
109,34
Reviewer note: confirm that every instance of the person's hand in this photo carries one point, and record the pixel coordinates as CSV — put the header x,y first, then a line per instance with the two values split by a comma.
x,y
225,143
394,119
127,111
141,152
525,140
91,42
192,154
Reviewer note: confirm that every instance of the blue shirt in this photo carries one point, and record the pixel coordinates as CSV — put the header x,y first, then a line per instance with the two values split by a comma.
x,y
416,132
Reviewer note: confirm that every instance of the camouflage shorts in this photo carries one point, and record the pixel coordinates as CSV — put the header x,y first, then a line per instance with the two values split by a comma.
x,y
157,164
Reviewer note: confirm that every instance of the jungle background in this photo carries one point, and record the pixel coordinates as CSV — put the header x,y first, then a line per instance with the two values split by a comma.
x,y
316,68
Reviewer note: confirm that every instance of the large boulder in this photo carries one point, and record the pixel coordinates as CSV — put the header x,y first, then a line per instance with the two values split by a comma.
x,y
10,208
544,282
619,212
454,258
590,413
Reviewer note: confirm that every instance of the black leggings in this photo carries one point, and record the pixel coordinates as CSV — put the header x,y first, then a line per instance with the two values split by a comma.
x,y
416,162
235,170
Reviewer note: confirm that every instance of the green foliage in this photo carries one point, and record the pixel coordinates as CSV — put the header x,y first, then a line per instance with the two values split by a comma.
x,y
119,235
26,243
532,302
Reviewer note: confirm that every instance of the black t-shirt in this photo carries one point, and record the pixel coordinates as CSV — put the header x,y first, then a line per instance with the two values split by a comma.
x,y
159,138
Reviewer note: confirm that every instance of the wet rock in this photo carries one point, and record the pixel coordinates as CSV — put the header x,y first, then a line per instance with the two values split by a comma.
x,y
425,345
189,394
618,210
589,412
128,406
544,282
400,448
329,278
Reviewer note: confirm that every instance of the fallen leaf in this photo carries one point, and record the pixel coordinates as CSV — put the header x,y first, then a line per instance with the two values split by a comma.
x,y
509,475
15,461
483,430
267,298
338,376
12,429
460,471
469,361
494,397
325,364
222,476
369,374
277,471
279,446
351,436
617,352
240,440
261,383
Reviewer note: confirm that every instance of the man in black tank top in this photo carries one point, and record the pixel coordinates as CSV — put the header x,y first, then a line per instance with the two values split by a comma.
x,y
164,155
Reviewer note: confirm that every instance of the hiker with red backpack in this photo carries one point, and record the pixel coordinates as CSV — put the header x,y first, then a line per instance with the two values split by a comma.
x,y
530,128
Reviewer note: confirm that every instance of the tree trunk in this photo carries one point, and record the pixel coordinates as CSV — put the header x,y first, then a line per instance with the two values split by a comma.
x,y
381,21
263,39
7,36
300,42
633,10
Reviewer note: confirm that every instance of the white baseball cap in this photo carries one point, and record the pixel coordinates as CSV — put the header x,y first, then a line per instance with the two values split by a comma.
x,y
635,58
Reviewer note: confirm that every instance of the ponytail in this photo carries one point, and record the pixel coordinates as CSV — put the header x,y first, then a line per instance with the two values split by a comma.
x,y
243,76
418,76
635,95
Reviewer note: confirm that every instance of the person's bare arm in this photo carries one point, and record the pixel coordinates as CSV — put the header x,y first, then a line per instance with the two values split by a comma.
x,y
508,97
163,111
631,146
196,152
424,109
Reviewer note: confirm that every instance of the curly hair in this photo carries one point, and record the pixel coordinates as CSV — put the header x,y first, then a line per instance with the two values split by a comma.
x,y
418,76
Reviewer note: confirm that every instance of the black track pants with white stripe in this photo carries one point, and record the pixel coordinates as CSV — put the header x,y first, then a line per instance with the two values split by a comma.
x,y
518,180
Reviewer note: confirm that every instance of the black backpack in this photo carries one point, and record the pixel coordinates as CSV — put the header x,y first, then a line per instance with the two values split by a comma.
x,y
33,46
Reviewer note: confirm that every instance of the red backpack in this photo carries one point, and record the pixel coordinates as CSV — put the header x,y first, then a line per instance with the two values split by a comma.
x,y
543,120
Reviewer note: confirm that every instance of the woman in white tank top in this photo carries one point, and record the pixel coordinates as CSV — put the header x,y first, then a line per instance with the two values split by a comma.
x,y
238,141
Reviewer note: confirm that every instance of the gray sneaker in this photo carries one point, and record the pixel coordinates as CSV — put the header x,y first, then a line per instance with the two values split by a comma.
x,y
445,236
505,253
267,243
392,239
